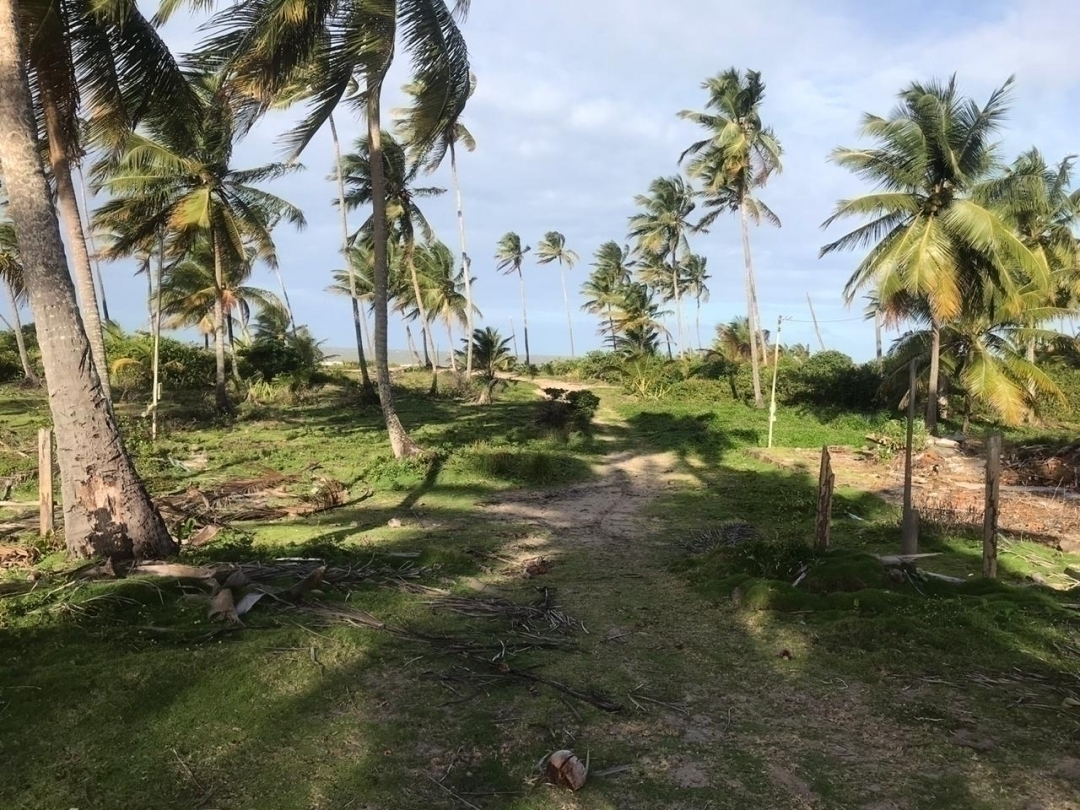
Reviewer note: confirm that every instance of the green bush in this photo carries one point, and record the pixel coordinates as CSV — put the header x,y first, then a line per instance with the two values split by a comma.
x,y
268,359
182,366
10,365
564,411
1067,378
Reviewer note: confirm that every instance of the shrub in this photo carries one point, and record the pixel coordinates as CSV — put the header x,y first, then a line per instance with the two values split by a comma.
x,y
1067,378
181,366
269,358
565,411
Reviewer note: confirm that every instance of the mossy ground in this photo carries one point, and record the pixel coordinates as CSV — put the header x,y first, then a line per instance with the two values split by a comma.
x,y
739,690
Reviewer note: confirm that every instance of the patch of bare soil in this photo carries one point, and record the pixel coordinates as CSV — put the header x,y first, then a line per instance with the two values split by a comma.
x,y
604,511
949,485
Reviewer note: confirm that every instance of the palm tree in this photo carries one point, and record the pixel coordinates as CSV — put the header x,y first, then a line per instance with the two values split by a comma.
x,y
178,181
604,286
336,42
696,274
491,351
451,131
638,320
510,255
552,248
107,510
928,237
11,276
104,57
405,218
444,287
661,228
738,156
1037,201
983,350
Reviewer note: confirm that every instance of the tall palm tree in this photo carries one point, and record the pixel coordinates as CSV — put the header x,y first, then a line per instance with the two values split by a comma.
x,y
405,218
11,276
178,181
929,238
694,268
415,131
604,286
107,510
661,229
552,248
510,256
105,58
264,46
738,156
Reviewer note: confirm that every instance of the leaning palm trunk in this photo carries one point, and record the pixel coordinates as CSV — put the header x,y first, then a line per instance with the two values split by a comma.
x,y
107,510
755,362
569,318
400,442
763,344
524,320
935,371
359,326
221,394
285,298
20,340
697,320
68,204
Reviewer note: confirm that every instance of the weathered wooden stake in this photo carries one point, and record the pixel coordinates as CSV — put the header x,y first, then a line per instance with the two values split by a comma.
x,y
990,515
826,483
909,527
45,484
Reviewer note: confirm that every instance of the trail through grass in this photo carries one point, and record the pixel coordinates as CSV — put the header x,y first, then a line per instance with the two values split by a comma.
x,y
736,690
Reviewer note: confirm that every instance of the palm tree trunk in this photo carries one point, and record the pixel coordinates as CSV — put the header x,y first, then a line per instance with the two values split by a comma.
x,y
107,510
678,298
466,262
450,338
932,384
763,343
93,248
697,321
20,339
412,348
234,367
569,318
285,296
430,357
524,320
755,362
359,323
611,326
221,393
877,334
156,328
68,204
400,442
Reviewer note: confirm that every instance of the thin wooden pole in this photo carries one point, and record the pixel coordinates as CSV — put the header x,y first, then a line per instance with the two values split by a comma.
x,y
775,369
990,515
813,317
513,334
909,531
45,481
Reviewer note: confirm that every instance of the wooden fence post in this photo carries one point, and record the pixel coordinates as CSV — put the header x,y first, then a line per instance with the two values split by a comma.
x,y
826,483
45,481
990,514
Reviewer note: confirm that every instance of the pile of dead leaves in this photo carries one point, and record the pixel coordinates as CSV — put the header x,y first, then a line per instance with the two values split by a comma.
x,y
13,556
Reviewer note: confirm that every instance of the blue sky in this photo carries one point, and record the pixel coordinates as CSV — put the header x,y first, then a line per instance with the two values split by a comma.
x,y
575,112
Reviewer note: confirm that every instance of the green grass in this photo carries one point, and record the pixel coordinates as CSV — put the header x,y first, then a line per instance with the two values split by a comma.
x,y
117,695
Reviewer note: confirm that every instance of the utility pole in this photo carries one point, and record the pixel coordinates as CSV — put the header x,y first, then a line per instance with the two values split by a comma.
x,y
813,317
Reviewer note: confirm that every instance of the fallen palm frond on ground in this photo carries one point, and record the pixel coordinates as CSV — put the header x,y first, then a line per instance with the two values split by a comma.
x,y
1045,465
263,498
525,616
